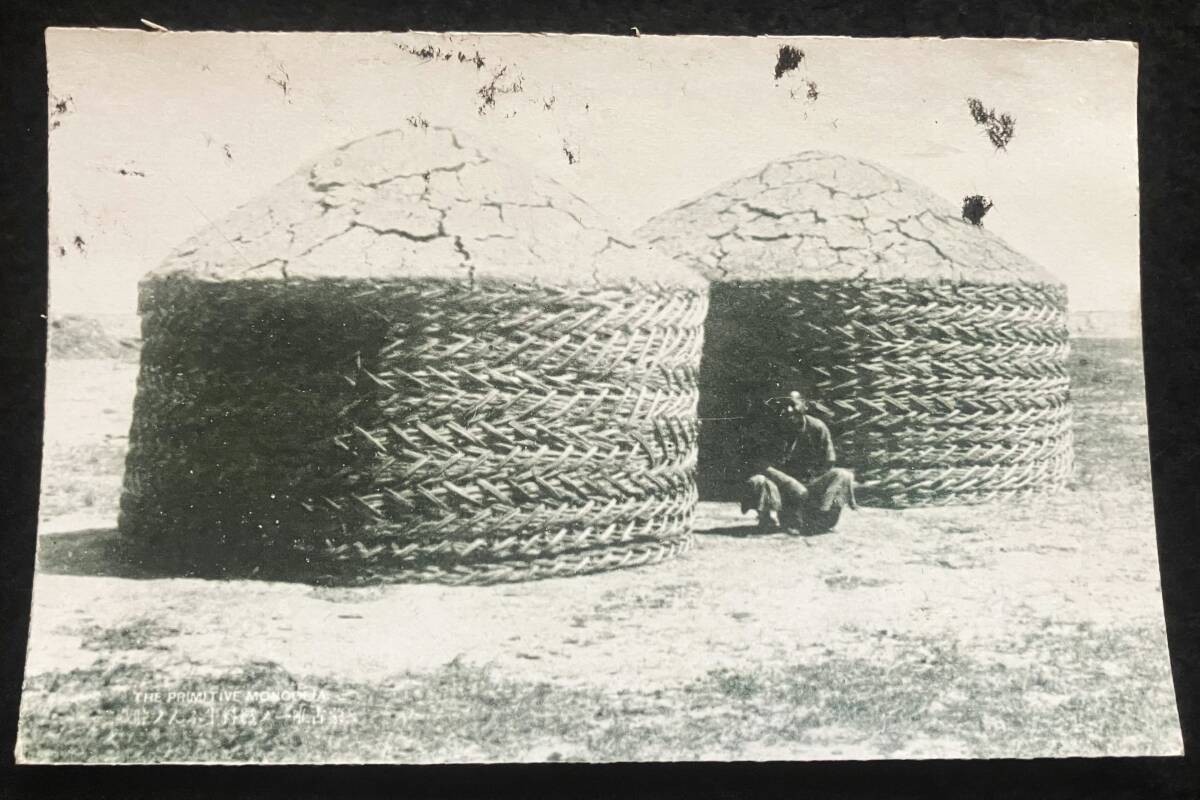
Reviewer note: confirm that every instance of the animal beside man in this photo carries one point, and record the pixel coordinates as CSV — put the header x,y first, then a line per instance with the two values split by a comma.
x,y
793,481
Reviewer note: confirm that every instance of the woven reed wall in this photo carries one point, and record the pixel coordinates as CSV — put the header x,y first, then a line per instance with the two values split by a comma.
x,y
935,392
415,429
934,350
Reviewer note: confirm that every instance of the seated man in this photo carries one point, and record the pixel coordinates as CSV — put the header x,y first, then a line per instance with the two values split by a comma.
x,y
792,472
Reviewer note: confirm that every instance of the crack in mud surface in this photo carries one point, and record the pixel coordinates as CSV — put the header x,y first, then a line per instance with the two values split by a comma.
x,y
824,216
420,203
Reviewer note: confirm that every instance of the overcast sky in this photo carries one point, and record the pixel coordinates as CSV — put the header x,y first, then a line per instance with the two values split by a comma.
x,y
162,133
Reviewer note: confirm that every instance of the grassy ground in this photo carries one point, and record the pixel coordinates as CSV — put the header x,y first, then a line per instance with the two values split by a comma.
x,y
467,712
1029,629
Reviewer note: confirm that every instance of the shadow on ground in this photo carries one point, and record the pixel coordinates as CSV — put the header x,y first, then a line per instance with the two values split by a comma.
x,y
751,531
104,553
735,531
97,552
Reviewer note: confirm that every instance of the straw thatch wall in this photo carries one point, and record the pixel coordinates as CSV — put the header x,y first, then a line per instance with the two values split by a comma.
x,y
416,361
935,352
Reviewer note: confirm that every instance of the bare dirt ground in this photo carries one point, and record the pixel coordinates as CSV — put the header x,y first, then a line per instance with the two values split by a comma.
x,y
1031,629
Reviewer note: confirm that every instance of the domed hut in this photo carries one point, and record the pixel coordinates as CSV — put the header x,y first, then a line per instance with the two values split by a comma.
x,y
414,360
936,353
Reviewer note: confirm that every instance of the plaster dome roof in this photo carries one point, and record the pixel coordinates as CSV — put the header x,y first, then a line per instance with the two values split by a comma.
x,y
419,204
821,216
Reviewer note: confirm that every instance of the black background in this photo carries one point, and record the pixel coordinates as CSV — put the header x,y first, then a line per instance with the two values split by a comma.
x,y
1168,34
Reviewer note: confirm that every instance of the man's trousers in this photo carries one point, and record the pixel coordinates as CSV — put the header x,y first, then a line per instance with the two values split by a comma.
x,y
812,507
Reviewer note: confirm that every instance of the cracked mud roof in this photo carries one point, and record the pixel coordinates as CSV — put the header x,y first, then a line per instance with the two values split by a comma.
x,y
421,203
819,216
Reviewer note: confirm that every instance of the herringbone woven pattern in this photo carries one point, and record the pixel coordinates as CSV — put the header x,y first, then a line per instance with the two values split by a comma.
x,y
935,393
934,349
475,434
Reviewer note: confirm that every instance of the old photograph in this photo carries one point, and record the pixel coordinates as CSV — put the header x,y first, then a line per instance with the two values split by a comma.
x,y
450,397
